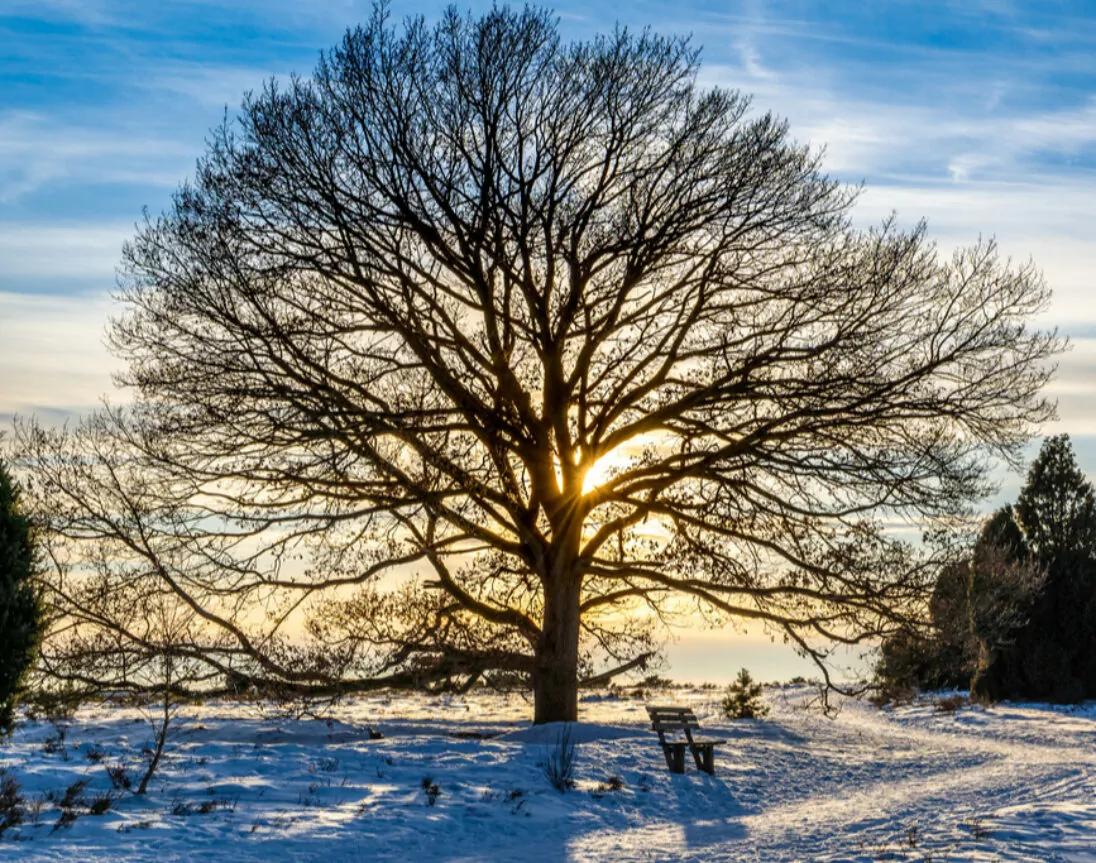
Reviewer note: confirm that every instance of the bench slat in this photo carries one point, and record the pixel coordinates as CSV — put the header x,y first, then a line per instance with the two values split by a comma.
x,y
672,718
672,714
675,726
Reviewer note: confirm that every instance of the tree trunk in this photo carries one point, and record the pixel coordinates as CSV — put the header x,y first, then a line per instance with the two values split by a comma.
x,y
555,673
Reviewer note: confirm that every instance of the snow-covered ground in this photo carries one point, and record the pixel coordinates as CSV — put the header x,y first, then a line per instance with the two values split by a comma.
x,y
240,784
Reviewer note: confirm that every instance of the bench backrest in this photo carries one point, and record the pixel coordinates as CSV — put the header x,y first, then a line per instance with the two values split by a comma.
x,y
672,718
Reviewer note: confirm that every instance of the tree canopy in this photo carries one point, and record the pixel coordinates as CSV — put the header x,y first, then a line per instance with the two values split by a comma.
x,y
529,347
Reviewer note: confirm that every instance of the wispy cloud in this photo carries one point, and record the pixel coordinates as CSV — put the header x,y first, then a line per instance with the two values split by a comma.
x,y
210,87
865,138
44,250
979,142
52,354
37,149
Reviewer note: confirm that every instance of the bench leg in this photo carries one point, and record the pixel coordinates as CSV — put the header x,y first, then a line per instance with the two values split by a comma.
x,y
704,756
709,760
675,758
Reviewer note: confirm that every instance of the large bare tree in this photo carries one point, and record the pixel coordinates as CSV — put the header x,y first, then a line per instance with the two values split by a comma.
x,y
571,343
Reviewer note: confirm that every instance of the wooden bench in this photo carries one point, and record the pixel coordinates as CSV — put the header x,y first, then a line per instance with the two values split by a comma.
x,y
668,720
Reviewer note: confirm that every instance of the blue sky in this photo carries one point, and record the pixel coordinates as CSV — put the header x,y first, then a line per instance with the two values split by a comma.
x,y
980,116
977,115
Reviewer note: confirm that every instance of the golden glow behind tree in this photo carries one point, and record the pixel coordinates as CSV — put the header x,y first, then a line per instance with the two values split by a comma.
x,y
409,303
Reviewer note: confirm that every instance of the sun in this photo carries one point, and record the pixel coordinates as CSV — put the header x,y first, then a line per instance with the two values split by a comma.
x,y
602,470
621,458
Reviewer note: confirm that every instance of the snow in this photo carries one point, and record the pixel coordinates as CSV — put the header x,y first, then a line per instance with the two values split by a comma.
x,y
241,783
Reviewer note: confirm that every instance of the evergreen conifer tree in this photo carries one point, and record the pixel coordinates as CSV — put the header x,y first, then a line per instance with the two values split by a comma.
x,y
743,698
1054,655
1057,507
20,611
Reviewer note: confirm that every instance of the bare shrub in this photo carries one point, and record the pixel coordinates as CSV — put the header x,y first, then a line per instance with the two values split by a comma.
x,y
100,804
951,703
324,765
613,783
52,704
34,807
120,779
12,810
431,789
71,804
559,761
55,743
